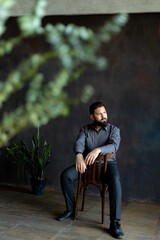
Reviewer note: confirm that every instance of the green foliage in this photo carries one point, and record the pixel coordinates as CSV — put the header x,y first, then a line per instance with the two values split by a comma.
x,y
32,161
71,46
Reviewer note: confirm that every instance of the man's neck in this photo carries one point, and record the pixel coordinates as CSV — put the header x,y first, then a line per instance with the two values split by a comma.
x,y
98,127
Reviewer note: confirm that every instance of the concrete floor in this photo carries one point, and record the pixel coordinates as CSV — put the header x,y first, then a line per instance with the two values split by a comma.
x,y
25,216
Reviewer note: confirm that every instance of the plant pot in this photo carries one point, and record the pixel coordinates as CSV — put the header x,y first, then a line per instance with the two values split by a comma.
x,y
38,186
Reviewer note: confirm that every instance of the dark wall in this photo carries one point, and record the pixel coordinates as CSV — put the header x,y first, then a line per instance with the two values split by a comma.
x,y
130,88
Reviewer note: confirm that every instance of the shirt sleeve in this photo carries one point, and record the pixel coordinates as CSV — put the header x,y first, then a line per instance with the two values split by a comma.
x,y
79,145
113,142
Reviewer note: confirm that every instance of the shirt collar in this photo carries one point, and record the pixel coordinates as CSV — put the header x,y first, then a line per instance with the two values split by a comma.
x,y
104,128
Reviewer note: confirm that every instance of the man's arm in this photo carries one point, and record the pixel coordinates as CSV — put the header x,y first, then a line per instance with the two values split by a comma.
x,y
79,147
80,163
91,156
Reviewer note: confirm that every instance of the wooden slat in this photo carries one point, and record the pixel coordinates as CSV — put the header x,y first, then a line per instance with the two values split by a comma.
x,y
99,169
94,171
89,172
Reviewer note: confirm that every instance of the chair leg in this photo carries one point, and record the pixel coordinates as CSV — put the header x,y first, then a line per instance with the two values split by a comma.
x,y
103,203
84,197
78,194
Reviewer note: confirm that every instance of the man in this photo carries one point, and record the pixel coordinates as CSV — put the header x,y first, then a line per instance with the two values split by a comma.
x,y
98,138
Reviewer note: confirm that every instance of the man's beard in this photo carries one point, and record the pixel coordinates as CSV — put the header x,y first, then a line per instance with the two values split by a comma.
x,y
101,124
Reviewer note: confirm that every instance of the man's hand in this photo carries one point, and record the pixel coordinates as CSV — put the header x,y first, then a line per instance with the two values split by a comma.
x,y
80,164
91,156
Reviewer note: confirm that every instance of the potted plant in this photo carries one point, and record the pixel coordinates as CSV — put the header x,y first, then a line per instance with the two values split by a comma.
x,y
32,161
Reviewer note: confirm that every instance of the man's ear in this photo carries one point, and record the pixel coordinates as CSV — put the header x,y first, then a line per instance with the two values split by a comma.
x,y
92,116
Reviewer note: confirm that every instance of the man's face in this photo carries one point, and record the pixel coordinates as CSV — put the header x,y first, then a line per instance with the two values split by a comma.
x,y
100,116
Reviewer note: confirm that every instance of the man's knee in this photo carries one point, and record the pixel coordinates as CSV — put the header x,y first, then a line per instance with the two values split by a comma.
x,y
64,175
68,174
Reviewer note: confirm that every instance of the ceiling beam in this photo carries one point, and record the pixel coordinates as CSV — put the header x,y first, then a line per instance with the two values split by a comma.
x,y
80,7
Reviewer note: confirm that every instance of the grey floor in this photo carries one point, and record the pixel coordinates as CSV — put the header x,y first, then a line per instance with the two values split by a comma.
x,y
26,216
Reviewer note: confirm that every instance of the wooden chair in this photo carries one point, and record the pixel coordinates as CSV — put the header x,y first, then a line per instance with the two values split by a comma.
x,y
90,177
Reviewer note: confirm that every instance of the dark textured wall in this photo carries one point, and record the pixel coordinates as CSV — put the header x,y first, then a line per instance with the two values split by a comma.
x,y
130,88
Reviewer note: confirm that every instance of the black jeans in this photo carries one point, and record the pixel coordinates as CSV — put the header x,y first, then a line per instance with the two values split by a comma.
x,y
70,175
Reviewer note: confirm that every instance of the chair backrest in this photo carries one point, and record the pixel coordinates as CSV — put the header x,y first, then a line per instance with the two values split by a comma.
x,y
90,176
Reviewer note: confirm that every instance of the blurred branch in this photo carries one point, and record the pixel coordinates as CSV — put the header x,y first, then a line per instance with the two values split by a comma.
x,y
72,47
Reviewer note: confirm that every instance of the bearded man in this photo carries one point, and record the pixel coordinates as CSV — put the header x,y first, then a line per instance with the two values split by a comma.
x,y
97,138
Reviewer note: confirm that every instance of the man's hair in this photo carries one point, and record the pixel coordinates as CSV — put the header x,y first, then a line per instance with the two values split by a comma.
x,y
95,105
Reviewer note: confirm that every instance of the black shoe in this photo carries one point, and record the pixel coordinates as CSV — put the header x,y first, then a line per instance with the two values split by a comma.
x,y
115,230
66,215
